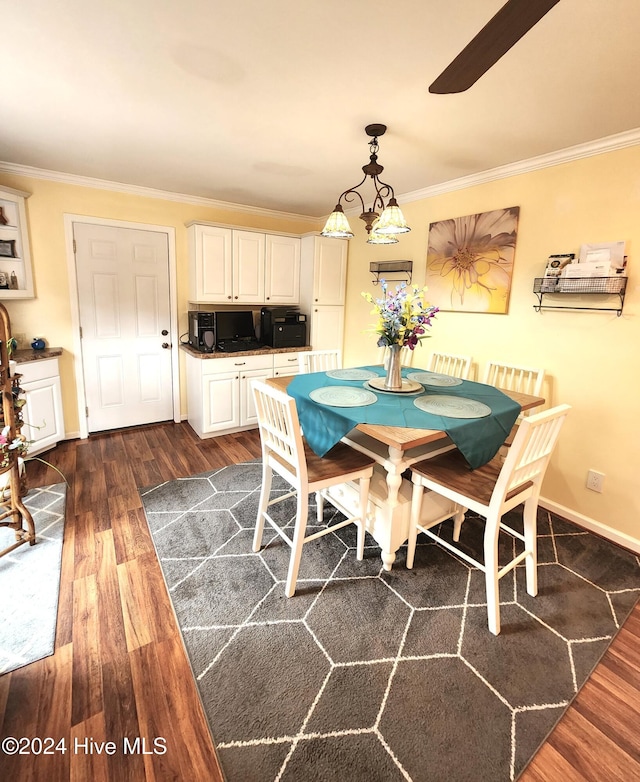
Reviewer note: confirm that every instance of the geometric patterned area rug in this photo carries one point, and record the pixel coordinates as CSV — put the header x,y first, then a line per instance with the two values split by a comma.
x,y
30,582
376,676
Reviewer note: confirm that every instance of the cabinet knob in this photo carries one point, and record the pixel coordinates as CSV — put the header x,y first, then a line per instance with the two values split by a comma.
x,y
268,297
235,297
166,345
228,297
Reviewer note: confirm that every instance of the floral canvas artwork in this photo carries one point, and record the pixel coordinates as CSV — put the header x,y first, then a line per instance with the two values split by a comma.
x,y
470,261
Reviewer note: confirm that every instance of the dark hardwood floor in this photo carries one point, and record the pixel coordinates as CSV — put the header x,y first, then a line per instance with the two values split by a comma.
x,y
120,670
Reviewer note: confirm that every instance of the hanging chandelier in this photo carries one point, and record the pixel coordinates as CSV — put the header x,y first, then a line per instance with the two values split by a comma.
x,y
383,225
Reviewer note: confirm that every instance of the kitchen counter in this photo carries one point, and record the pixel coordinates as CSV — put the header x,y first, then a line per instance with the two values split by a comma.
x,y
266,351
28,354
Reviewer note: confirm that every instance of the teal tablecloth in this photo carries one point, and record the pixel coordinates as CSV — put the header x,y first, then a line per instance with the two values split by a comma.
x,y
478,439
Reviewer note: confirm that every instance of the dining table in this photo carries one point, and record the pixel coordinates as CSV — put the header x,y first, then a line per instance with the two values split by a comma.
x,y
434,413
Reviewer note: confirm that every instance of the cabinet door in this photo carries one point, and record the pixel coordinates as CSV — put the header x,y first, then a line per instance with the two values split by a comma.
x,y
327,328
248,267
42,413
220,402
329,271
248,413
210,273
285,364
282,269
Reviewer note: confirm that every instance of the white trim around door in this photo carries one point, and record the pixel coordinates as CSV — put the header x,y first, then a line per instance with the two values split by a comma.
x,y
69,220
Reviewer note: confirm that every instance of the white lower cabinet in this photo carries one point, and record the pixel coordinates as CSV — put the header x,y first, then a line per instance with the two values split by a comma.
x,y
42,412
327,327
248,415
220,402
285,364
219,396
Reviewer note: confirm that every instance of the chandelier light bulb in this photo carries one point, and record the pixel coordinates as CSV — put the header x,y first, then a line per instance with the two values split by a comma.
x,y
337,226
378,238
392,221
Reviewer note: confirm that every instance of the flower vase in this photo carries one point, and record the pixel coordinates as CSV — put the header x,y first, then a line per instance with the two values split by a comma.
x,y
393,381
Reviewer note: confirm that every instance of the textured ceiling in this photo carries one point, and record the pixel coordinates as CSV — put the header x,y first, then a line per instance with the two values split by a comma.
x,y
265,103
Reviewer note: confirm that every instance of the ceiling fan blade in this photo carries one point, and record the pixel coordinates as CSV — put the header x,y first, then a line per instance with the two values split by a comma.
x,y
506,28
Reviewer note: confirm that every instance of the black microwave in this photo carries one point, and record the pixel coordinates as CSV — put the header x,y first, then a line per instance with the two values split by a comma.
x,y
202,331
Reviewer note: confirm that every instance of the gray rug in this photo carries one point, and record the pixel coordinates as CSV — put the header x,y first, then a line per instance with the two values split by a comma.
x,y
372,676
30,582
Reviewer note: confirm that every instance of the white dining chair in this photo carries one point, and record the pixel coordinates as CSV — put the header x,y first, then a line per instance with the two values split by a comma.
x,y
319,361
490,491
285,453
450,364
510,377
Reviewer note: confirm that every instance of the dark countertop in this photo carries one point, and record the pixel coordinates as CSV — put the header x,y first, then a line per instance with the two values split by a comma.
x,y
28,354
221,354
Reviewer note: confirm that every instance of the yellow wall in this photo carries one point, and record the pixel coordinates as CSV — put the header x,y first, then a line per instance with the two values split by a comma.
x,y
592,359
49,314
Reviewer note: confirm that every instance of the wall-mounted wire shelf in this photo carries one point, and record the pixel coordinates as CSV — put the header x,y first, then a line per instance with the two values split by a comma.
x,y
578,286
398,269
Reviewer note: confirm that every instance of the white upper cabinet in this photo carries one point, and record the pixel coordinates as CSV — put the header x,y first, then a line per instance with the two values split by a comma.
x,y
248,268
16,277
232,266
282,269
210,264
329,270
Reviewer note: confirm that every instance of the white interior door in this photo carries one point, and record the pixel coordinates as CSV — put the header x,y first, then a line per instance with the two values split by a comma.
x,y
124,306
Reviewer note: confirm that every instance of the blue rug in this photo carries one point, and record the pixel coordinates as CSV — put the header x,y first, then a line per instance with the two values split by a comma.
x,y
30,582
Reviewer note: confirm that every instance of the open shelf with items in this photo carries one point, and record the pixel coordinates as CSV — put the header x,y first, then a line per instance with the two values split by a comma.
x,y
16,279
603,287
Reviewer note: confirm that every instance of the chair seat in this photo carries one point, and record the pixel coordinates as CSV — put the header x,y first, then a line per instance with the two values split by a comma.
x,y
451,471
341,460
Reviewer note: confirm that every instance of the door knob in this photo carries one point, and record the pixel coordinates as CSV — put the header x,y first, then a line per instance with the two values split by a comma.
x,y
166,345
164,332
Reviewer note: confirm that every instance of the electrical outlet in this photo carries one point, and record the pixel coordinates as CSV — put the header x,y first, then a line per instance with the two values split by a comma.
x,y
595,480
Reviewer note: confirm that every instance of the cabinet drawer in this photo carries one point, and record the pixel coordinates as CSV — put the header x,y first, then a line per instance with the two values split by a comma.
x,y
214,366
40,369
286,360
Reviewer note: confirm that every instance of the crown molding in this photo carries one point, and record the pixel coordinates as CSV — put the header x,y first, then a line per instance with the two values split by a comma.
x,y
146,192
600,146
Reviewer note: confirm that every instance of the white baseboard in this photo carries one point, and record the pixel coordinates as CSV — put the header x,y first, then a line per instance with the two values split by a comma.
x,y
614,535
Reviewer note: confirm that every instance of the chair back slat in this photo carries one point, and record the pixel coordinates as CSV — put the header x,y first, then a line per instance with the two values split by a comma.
x,y
525,380
319,360
450,364
279,426
531,451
